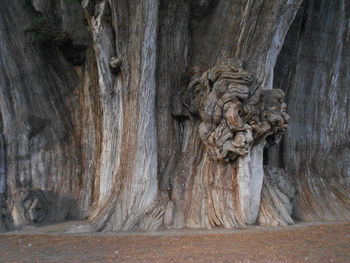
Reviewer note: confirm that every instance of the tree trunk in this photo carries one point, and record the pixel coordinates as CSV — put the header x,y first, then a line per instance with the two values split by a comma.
x,y
151,114
313,69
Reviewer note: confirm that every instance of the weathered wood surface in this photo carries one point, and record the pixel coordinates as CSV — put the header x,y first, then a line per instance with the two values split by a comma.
x,y
92,111
40,112
313,69
203,192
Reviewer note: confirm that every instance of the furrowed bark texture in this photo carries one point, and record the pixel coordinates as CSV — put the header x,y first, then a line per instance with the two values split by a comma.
x,y
128,170
203,192
313,69
40,117
129,113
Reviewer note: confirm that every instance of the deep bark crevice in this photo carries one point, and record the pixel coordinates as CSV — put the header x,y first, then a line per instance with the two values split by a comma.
x,y
108,114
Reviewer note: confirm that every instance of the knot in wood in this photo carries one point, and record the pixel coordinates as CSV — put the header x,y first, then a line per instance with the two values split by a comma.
x,y
28,206
234,112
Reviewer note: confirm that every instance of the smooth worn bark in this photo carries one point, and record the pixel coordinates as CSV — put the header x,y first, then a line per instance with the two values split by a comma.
x,y
149,114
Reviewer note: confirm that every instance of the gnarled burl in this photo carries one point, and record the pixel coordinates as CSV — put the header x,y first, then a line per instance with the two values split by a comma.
x,y
29,206
235,112
226,116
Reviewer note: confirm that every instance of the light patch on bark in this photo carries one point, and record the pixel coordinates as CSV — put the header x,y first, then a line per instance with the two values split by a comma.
x,y
249,180
142,190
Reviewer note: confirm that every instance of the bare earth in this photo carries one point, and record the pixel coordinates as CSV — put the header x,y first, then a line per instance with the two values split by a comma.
x,y
316,242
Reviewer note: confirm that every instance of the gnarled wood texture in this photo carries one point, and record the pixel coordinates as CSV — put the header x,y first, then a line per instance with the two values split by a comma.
x,y
110,109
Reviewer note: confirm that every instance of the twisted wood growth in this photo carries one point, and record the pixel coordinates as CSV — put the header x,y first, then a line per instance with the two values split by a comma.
x,y
226,116
277,196
28,206
93,113
235,113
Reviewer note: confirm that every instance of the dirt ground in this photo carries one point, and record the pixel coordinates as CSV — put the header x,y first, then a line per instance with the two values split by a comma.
x,y
327,242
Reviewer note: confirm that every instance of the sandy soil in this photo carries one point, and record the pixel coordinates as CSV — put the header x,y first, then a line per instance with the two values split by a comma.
x,y
326,242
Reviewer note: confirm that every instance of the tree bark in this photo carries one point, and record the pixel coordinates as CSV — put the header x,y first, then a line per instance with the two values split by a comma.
x,y
40,114
313,70
102,109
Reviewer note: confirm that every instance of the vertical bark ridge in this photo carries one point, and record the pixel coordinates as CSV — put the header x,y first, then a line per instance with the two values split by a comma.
x,y
40,110
312,69
215,37
105,130
129,188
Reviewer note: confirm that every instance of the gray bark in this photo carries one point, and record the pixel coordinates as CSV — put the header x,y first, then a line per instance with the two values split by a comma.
x,y
313,69
93,112
39,104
